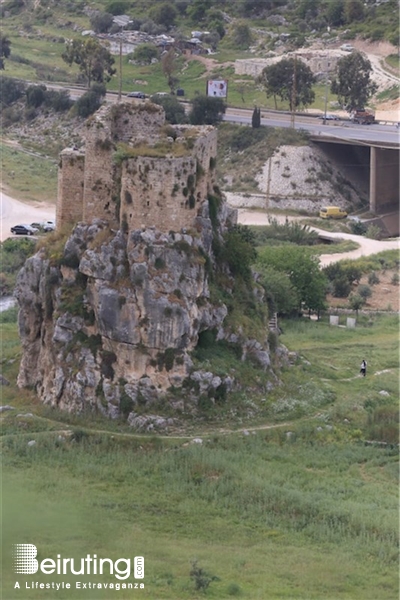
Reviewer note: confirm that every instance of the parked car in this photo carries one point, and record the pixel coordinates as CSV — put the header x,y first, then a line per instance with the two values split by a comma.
x,y
332,212
45,226
24,230
140,95
329,117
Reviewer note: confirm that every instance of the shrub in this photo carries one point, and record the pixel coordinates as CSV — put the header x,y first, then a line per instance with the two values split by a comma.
x,y
11,90
201,578
341,287
365,292
358,227
159,263
356,302
144,53
125,404
35,95
373,278
395,279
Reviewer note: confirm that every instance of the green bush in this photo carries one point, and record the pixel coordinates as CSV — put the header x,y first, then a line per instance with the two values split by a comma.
x,y
201,578
373,278
365,291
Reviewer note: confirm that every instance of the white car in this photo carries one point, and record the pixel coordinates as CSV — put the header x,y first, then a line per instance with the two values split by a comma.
x,y
329,117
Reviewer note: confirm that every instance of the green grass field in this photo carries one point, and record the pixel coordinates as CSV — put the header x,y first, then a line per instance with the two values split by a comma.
x,y
309,515
27,176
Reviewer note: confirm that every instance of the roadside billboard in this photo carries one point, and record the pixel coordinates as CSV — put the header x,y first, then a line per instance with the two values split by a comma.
x,y
217,88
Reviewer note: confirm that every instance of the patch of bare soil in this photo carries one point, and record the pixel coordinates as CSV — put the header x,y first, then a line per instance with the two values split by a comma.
x,y
385,295
209,63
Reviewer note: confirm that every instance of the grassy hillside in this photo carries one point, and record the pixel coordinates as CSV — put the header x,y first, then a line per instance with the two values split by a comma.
x,y
295,510
38,38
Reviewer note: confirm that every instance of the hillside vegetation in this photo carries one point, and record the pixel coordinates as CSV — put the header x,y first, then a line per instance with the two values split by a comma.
x,y
38,37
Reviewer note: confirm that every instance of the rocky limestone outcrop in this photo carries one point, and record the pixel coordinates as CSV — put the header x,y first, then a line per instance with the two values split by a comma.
x,y
110,323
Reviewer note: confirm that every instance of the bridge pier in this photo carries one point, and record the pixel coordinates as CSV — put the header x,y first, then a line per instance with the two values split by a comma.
x,y
384,179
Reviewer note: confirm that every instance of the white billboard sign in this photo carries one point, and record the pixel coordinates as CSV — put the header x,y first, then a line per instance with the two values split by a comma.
x,y
217,88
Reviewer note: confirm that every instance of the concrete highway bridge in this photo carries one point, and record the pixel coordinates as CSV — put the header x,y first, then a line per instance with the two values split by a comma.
x,y
377,161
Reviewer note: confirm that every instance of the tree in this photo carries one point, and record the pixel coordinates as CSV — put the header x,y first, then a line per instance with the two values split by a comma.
x,y
335,13
35,95
101,22
353,11
302,267
280,293
11,90
356,302
89,102
144,53
206,110
212,39
163,13
215,22
174,110
240,36
196,11
94,60
308,9
169,67
353,84
291,80
118,7
256,118
5,49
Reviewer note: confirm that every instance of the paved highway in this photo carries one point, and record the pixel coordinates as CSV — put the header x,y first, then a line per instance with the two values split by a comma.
x,y
376,134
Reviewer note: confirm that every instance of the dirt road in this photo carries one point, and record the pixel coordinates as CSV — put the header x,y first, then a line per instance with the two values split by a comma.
x,y
14,212
366,245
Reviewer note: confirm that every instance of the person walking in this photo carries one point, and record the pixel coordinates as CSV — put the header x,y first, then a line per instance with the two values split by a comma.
x,y
363,368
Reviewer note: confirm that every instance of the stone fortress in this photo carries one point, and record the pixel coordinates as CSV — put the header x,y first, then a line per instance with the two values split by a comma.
x,y
110,315
137,172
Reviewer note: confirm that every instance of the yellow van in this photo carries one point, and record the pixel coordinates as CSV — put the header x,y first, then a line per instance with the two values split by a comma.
x,y
332,212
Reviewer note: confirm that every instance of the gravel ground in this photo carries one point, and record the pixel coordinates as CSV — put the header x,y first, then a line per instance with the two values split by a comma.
x,y
13,212
301,177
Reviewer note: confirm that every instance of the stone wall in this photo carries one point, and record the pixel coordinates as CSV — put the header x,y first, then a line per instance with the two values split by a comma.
x,y
71,173
318,62
147,186
159,192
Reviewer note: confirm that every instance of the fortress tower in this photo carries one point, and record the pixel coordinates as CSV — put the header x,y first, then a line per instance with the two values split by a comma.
x,y
136,171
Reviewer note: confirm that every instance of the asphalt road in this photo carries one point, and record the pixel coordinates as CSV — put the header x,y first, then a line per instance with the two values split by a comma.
x,y
374,134
345,130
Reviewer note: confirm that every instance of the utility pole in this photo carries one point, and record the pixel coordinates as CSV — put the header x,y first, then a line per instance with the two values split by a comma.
x,y
268,184
326,79
120,69
294,93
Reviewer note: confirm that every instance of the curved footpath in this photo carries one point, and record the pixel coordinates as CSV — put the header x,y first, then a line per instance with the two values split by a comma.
x,y
13,212
366,245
